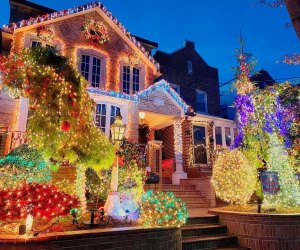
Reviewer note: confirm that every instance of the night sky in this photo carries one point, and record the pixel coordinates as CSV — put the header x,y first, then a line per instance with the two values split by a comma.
x,y
214,26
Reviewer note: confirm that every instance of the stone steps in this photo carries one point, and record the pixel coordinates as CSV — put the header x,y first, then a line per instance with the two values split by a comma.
x,y
209,242
205,232
171,187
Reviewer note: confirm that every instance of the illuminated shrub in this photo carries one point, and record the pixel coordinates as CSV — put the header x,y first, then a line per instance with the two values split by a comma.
x,y
41,201
234,179
23,164
162,209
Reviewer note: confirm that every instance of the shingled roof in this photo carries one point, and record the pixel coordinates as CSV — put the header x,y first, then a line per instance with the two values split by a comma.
x,y
57,15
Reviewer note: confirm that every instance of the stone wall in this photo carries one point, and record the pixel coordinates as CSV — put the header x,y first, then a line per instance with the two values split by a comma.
x,y
263,231
135,238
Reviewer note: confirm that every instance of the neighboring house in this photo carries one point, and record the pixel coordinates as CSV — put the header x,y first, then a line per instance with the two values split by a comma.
x,y
262,79
122,75
192,78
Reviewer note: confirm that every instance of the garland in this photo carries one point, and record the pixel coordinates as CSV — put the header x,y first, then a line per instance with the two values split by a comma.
x,y
95,31
45,33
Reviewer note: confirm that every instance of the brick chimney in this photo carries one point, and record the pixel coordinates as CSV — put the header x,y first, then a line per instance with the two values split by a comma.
x,y
189,44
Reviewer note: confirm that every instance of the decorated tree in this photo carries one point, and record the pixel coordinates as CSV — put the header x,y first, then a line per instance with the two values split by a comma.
x,y
265,130
23,164
162,209
60,121
34,200
132,174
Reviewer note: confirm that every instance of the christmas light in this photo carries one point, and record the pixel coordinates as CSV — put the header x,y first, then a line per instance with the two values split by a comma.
x,y
163,209
234,178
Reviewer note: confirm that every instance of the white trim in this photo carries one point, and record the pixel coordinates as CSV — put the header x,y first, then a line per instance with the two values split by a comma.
x,y
103,61
142,76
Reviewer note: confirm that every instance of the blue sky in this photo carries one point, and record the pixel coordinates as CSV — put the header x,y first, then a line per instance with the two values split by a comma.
x,y
214,26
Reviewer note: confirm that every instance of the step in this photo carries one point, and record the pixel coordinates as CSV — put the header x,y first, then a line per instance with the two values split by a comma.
x,y
170,187
203,219
202,229
178,193
233,248
209,242
195,199
197,205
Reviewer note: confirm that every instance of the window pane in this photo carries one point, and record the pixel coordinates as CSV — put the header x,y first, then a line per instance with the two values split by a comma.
x,y
199,137
126,79
113,113
190,67
100,119
85,66
227,136
135,80
201,101
35,44
96,72
218,135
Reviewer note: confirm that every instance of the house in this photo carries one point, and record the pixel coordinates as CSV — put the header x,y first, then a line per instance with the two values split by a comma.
x,y
125,78
262,79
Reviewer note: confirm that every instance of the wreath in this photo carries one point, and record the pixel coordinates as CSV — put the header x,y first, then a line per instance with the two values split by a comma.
x,y
133,58
44,33
95,31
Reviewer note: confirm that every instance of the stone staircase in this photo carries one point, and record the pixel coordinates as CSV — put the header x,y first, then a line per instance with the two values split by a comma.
x,y
205,232
188,192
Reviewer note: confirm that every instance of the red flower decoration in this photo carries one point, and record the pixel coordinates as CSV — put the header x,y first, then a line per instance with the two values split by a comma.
x,y
65,126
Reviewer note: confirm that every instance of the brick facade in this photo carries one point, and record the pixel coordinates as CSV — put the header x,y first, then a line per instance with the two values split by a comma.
x,y
126,238
159,102
263,231
175,70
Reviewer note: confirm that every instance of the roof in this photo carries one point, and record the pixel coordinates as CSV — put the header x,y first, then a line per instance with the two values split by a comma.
x,y
101,9
34,6
161,85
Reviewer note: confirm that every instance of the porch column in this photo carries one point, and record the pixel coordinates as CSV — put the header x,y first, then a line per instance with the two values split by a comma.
x,y
179,173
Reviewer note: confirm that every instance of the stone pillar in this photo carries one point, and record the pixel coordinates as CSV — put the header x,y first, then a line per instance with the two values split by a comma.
x,y
179,173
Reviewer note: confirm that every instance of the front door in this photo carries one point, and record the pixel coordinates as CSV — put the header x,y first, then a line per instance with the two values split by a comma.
x,y
199,141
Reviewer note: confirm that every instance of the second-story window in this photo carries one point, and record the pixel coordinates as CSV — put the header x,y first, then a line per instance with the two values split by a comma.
x,y
201,101
130,79
190,67
90,68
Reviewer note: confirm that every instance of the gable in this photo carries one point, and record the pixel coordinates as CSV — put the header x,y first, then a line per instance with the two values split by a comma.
x,y
93,8
161,98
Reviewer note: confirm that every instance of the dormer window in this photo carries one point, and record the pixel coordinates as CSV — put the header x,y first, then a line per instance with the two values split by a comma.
x,y
130,79
90,68
190,67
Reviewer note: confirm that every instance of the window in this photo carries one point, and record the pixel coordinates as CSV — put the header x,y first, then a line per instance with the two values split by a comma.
x,y
227,136
201,101
36,43
130,79
105,116
235,132
100,120
190,67
176,88
218,137
90,68
199,140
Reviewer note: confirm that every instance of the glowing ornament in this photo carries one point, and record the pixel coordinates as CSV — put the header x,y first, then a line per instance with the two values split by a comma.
x,y
65,126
